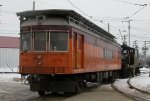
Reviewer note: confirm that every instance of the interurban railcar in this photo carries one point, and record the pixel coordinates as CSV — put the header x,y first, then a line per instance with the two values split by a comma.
x,y
61,51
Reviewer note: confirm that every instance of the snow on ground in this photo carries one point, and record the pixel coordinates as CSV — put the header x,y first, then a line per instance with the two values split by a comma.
x,y
122,86
9,74
144,70
141,82
7,69
10,77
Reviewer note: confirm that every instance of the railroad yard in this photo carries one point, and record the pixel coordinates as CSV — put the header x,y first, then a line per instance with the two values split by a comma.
x,y
121,89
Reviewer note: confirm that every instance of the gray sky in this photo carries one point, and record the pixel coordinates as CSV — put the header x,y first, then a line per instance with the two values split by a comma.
x,y
103,11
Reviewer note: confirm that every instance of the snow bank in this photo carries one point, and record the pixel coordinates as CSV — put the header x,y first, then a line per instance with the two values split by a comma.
x,y
144,70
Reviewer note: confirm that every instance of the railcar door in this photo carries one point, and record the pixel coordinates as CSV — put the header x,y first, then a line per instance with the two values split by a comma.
x,y
78,51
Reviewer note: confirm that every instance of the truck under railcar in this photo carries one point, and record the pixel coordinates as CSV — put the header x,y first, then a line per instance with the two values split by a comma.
x,y
61,51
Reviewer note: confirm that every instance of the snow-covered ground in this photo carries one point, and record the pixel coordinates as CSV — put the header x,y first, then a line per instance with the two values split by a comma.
x,y
142,81
7,69
11,77
144,70
9,74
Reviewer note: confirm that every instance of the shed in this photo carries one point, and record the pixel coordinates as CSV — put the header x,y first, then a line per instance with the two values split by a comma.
x,y
9,54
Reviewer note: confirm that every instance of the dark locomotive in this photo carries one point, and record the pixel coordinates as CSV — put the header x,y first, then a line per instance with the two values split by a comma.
x,y
61,51
130,63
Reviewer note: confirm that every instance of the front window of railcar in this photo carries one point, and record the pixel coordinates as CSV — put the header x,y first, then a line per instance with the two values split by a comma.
x,y
25,42
40,41
58,41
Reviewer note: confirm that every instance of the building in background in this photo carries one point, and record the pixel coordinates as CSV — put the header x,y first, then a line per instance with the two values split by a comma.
x,y
9,54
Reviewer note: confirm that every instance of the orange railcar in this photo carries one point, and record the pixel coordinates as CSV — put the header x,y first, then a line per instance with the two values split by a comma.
x,y
63,47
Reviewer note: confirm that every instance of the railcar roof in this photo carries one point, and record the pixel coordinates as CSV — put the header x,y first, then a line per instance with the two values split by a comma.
x,y
63,12
127,47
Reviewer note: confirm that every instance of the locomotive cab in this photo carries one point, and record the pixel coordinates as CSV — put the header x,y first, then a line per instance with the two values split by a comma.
x,y
129,65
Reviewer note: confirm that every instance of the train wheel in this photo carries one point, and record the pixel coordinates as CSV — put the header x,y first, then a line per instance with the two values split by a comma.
x,y
77,89
41,93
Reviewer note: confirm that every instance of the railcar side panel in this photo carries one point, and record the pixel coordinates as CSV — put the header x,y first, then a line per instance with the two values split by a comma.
x,y
44,63
98,55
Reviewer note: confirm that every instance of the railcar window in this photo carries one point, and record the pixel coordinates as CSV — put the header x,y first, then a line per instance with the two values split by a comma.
x,y
40,41
26,41
58,41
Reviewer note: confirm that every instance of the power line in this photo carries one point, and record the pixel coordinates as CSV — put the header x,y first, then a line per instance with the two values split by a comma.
x,y
101,21
145,5
78,8
131,3
136,12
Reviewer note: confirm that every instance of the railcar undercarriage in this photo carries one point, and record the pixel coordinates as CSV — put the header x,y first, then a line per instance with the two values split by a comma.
x,y
69,83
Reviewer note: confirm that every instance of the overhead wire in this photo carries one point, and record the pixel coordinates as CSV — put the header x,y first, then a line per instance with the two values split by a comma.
x,y
145,5
78,8
137,12
89,15
101,21
131,3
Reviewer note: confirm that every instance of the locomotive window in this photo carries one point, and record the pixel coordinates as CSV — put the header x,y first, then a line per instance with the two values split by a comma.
x,y
58,41
124,51
26,42
40,41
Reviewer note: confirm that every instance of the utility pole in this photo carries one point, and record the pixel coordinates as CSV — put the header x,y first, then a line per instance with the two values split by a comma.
x,y
0,15
124,39
129,27
145,49
136,55
33,5
135,44
108,28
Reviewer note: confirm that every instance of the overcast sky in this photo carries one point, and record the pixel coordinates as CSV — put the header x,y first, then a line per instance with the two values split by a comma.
x,y
100,12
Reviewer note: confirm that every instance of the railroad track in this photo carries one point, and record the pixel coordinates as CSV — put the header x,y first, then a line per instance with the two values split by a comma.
x,y
140,90
129,91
